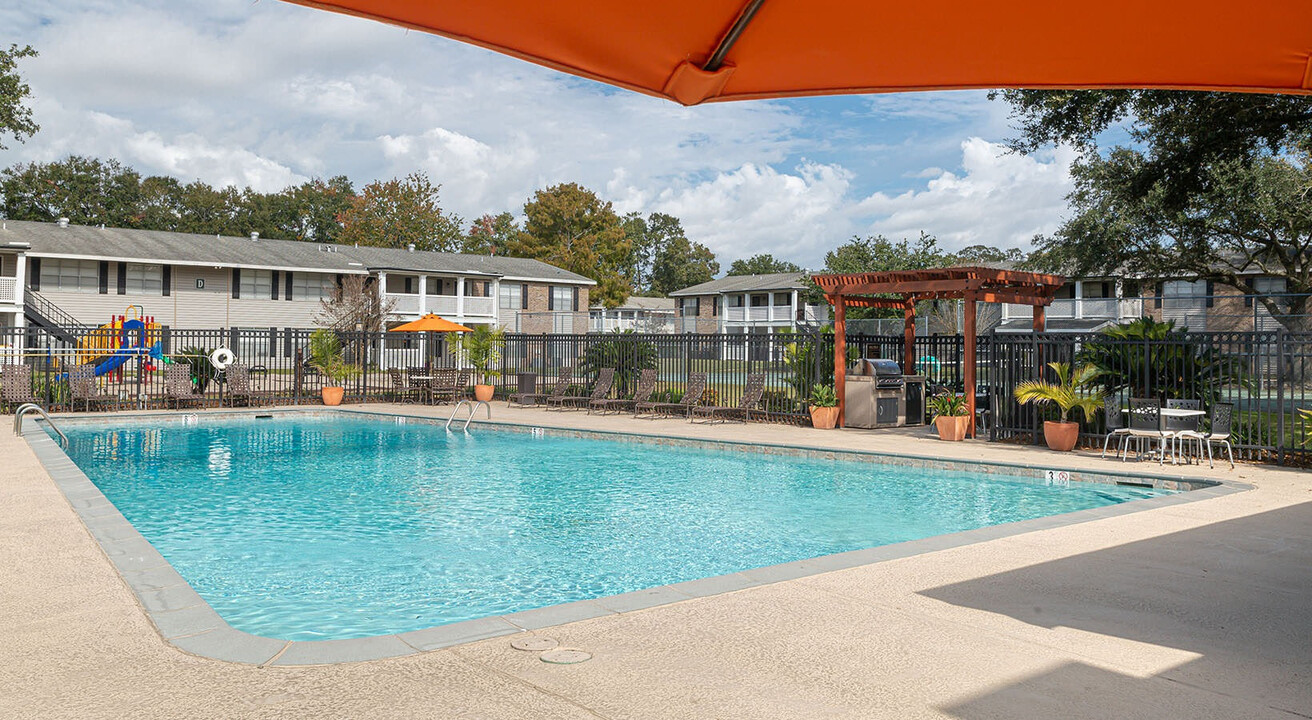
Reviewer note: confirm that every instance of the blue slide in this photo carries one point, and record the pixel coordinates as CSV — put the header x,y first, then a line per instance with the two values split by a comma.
x,y
122,355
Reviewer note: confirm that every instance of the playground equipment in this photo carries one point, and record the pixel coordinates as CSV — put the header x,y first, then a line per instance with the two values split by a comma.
x,y
123,338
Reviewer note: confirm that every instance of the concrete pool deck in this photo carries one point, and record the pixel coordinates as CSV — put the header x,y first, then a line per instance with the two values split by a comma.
x,y
1193,609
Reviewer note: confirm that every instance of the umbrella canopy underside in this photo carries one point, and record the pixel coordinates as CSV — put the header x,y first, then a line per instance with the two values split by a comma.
x,y
779,48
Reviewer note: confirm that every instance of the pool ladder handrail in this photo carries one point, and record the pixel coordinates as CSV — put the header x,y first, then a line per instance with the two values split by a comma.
x,y
29,407
473,408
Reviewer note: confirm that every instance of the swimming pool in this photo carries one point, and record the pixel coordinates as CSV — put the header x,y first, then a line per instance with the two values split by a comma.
x,y
301,527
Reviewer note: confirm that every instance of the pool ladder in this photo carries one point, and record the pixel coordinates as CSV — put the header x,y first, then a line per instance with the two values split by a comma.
x,y
33,407
473,408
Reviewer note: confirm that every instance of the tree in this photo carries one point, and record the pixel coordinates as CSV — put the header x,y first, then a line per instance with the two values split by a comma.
x,y
763,264
15,118
988,255
649,237
355,304
681,263
400,212
568,226
491,235
1216,186
85,190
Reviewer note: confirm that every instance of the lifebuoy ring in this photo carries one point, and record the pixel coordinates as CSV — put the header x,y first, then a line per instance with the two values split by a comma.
x,y
222,358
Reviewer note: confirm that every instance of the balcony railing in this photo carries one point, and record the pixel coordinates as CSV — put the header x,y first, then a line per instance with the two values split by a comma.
x,y
1083,308
444,305
9,291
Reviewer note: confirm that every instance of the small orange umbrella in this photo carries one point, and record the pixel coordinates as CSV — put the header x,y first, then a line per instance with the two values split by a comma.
x,y
431,323
692,51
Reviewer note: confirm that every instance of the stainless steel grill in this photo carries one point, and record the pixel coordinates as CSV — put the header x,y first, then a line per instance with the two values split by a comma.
x,y
887,373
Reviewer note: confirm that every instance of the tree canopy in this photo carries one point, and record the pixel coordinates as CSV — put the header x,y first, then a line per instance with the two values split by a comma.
x,y
15,117
1212,186
399,212
568,226
491,235
763,264
681,263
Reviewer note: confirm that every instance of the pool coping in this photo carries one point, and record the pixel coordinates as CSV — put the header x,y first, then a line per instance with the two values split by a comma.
x,y
183,618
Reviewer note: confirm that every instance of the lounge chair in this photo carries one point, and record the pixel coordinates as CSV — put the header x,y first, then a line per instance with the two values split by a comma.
x,y
83,389
16,386
646,386
563,380
178,386
692,396
238,380
450,385
600,389
742,412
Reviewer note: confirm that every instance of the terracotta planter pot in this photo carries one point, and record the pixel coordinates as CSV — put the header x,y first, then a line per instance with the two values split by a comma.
x,y
824,418
1061,436
332,395
952,428
483,393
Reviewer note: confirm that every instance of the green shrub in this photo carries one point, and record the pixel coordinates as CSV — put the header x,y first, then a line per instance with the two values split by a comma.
x,y
823,396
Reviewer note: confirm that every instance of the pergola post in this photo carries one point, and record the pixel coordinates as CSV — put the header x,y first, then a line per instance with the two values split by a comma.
x,y
840,355
968,360
909,337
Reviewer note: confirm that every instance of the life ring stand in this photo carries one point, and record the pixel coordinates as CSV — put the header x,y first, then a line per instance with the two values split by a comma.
x,y
221,358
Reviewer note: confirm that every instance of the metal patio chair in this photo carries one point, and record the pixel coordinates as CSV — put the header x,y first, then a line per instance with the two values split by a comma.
x,y
564,378
646,386
1221,423
600,389
1111,408
742,411
692,396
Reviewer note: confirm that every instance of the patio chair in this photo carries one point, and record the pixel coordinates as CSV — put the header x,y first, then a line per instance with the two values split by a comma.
x,y
600,389
646,386
1221,422
692,396
400,389
16,386
445,385
1111,408
1177,425
178,386
238,381
1146,424
83,389
742,412
564,378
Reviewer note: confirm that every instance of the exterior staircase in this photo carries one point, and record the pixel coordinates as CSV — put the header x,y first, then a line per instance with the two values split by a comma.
x,y
51,318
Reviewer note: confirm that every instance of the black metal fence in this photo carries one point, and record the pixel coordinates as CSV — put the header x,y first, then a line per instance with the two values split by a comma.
x,y
1268,375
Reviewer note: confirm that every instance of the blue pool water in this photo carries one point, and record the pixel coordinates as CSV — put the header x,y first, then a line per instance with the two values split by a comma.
x,y
313,528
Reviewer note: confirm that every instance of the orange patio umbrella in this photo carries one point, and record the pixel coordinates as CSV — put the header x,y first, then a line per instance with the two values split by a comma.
x,y
431,323
693,51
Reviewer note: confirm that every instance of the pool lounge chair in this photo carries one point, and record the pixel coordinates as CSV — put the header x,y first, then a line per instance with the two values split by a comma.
x,y
601,389
178,386
16,386
563,380
646,386
692,395
741,412
83,389
238,380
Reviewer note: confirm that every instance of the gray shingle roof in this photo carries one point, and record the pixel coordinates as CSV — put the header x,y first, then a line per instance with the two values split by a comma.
x,y
191,249
746,283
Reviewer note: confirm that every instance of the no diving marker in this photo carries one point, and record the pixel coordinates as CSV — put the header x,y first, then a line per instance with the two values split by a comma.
x,y
1060,478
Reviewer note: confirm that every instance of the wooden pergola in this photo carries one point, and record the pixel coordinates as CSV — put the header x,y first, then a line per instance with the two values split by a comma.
x,y
904,288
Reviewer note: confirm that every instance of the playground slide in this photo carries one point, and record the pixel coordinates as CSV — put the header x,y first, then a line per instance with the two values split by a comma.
x,y
122,355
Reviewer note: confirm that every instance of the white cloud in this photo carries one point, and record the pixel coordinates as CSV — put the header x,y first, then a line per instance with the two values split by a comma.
x,y
999,199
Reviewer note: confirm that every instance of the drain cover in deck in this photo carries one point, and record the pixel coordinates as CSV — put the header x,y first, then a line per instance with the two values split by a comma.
x,y
565,656
534,643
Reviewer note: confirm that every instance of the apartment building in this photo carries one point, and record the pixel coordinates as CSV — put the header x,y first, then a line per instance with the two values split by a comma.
x,y
747,304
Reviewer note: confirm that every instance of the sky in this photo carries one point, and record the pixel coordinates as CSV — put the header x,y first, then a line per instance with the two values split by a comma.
x,y
266,94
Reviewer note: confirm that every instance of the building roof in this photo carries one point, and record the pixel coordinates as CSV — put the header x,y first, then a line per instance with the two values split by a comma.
x,y
639,302
746,283
157,246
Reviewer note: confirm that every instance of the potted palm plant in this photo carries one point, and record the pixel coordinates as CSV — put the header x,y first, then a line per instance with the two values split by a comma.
x,y
1067,394
326,357
950,418
481,349
823,407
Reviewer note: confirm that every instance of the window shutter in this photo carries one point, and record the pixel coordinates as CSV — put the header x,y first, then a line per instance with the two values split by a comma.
x,y
551,298
1160,287
523,296
1211,288
167,280
715,305
287,282
697,307
1248,293
236,283
576,299
122,278
273,294
34,273
104,277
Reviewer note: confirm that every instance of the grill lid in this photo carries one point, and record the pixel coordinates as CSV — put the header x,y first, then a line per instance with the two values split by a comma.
x,y
877,366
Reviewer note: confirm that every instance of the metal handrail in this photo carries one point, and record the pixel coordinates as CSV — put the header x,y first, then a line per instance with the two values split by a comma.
x,y
29,407
473,408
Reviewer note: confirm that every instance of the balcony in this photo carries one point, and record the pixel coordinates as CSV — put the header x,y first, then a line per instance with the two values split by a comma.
x,y
1083,308
9,291
444,305
759,313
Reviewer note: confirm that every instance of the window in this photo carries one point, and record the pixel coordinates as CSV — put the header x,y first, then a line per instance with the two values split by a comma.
x,y
511,296
1268,285
1183,294
736,300
144,279
253,342
760,300
690,307
312,286
562,298
256,284
784,299
70,275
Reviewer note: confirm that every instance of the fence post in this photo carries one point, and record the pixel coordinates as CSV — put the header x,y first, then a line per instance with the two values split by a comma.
x,y
298,373
1280,396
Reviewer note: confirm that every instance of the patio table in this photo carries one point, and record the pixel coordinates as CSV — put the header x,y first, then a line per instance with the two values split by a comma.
x,y
1176,413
